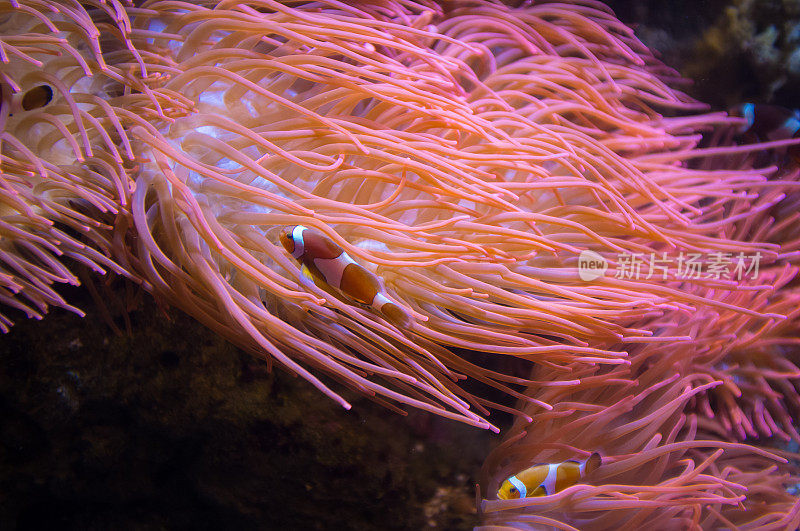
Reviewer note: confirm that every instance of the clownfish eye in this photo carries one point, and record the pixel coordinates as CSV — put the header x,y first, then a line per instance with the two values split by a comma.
x,y
513,490
37,97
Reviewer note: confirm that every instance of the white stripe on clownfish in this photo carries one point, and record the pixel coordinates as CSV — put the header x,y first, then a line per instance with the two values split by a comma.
x,y
297,239
333,268
324,261
549,483
520,486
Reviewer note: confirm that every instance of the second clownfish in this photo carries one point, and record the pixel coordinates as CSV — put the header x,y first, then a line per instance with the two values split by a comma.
x,y
547,479
328,264
769,122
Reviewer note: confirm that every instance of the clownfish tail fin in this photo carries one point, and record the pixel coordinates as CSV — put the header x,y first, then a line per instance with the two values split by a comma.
x,y
593,462
395,314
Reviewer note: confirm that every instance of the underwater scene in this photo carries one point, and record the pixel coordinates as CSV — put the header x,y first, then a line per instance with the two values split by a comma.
x,y
400,264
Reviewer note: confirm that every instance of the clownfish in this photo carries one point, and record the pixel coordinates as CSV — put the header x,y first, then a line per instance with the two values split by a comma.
x,y
769,122
329,266
544,480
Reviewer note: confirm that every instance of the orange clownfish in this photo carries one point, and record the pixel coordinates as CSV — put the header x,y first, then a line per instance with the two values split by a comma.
x,y
328,265
544,480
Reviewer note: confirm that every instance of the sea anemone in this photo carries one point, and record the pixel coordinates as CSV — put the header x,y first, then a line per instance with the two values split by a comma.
x,y
465,154
668,424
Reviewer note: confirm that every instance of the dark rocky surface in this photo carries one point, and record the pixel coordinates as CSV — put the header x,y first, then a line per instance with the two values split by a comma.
x,y
170,427
734,51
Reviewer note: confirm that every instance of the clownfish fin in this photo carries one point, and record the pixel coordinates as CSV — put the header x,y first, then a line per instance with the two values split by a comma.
x,y
396,315
393,312
309,276
593,462
306,272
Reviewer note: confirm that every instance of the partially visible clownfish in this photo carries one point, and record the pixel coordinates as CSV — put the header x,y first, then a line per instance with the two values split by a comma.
x,y
766,123
329,266
547,479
